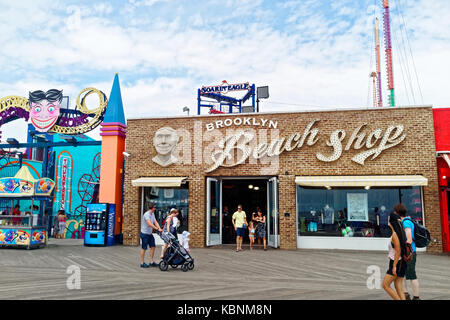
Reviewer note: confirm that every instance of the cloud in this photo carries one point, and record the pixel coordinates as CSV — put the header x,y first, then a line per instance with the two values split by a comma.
x,y
307,52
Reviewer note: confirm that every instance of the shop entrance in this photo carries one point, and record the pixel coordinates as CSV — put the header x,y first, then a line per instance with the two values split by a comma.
x,y
223,197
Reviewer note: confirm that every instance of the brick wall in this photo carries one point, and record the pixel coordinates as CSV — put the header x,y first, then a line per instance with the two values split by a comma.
x,y
415,155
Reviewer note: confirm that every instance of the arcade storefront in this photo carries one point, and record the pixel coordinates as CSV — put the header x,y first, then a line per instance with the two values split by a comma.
x,y
323,179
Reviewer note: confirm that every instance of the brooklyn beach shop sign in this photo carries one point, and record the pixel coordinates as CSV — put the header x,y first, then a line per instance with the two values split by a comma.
x,y
372,142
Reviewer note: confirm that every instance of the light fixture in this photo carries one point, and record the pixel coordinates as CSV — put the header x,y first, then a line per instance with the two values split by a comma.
x,y
40,138
328,187
256,188
261,93
186,109
250,186
367,187
70,139
12,141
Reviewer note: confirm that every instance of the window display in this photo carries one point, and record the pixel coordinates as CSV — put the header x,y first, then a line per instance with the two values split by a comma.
x,y
353,212
166,199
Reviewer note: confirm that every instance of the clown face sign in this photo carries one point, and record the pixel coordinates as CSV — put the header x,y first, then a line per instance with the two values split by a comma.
x,y
45,108
47,114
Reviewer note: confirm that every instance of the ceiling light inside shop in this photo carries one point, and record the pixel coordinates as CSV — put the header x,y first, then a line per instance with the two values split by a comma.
x,y
250,186
256,188
328,187
367,187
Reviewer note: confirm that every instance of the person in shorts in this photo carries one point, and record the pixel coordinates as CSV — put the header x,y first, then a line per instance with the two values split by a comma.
x,y
148,225
397,266
239,220
408,225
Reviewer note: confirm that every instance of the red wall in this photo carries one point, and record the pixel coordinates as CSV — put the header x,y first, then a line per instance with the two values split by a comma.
x,y
442,136
442,128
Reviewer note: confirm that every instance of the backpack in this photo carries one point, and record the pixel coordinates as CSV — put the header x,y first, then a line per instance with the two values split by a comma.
x,y
422,236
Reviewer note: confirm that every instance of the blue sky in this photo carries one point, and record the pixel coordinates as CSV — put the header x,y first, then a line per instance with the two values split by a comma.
x,y
311,54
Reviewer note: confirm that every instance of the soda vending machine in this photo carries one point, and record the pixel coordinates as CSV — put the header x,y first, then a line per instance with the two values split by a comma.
x,y
99,224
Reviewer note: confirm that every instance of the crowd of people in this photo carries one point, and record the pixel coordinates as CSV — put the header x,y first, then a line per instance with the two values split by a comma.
x,y
401,247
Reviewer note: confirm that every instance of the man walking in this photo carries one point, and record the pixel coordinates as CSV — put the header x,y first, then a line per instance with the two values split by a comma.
x,y
239,222
148,224
408,225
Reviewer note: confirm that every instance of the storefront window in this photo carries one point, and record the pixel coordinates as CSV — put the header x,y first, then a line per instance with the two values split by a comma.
x,y
166,199
354,212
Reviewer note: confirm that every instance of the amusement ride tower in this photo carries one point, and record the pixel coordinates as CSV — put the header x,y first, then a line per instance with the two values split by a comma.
x,y
378,73
388,49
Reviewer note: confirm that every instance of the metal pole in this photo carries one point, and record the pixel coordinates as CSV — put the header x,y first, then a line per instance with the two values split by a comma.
x,y
198,102
253,97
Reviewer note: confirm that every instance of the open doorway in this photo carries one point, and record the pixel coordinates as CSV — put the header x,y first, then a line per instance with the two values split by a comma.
x,y
251,194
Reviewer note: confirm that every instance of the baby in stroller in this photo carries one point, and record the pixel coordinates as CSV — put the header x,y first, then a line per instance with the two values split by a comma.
x,y
175,255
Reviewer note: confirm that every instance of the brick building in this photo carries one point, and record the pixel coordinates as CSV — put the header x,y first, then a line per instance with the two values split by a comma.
x,y
323,179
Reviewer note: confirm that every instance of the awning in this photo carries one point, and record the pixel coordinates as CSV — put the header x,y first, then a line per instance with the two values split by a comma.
x,y
362,181
158,182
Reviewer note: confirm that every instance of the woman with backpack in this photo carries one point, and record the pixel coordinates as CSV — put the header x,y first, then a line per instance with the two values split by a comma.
x,y
397,264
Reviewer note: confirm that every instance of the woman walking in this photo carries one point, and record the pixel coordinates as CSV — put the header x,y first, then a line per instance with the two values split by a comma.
x,y
397,266
261,228
170,226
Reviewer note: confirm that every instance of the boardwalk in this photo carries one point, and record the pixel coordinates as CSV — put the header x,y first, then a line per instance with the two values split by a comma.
x,y
220,273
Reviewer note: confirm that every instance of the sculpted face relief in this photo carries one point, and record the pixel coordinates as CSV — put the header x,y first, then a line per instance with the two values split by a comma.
x,y
165,141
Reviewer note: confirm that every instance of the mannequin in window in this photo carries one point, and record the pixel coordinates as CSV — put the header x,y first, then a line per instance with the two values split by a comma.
x,y
327,217
312,226
341,221
377,222
382,221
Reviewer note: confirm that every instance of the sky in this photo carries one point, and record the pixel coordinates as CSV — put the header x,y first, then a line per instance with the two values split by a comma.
x,y
313,55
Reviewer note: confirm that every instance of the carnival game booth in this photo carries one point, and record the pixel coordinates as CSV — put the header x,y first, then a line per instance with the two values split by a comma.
x,y
24,230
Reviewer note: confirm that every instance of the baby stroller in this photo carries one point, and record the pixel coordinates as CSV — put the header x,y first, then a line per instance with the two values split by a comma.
x,y
175,255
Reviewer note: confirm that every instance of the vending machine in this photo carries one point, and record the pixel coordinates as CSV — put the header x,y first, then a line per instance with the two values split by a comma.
x,y
99,224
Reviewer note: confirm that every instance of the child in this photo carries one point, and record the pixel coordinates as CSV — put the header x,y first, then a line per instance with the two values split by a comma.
x,y
251,234
185,240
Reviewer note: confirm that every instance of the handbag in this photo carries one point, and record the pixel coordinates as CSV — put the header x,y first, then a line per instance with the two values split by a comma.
x,y
408,253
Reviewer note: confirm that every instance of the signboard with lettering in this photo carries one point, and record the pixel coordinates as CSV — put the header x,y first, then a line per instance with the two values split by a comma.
x,y
236,145
224,88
